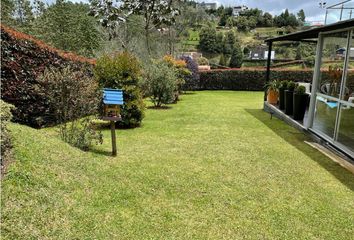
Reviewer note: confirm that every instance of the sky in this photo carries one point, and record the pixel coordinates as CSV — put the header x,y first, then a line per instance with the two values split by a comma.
x,y
311,7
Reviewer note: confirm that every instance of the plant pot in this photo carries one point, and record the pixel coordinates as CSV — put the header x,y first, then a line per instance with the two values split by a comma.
x,y
281,98
272,97
289,102
300,104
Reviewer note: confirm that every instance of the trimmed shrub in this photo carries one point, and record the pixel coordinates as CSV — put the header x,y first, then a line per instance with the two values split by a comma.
x,y
5,117
253,79
202,61
191,81
160,83
23,59
71,95
123,71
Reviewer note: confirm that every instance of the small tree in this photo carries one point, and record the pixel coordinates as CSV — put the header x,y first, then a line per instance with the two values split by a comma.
x,y
160,83
208,40
236,57
222,60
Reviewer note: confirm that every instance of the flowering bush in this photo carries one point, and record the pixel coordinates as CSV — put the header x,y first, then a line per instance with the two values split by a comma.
x,y
181,71
191,81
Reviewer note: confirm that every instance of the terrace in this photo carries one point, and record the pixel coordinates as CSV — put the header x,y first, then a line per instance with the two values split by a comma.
x,y
331,110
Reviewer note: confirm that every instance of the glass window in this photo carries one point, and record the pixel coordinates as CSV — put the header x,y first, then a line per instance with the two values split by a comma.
x,y
345,134
328,92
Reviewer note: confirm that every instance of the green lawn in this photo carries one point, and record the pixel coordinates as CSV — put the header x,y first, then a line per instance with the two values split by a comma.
x,y
214,166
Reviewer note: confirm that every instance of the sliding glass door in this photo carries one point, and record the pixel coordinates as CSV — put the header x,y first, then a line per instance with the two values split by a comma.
x,y
334,97
345,132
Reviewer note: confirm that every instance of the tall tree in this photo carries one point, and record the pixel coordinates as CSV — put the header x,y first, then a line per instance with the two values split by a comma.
x,y
301,15
154,12
66,26
236,57
23,12
7,11
208,40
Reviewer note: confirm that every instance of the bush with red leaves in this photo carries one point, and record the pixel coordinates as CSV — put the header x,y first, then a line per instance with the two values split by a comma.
x,y
23,60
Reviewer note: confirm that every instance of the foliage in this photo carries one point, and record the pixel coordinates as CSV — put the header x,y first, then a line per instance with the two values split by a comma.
x,y
123,71
191,81
202,61
223,60
7,10
253,79
301,15
182,73
155,13
245,24
300,90
283,84
160,83
236,57
208,40
273,85
23,58
66,26
286,19
291,86
5,139
229,42
72,96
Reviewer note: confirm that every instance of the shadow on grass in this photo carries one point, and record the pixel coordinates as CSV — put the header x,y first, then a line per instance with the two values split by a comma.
x,y
188,93
101,152
296,139
160,108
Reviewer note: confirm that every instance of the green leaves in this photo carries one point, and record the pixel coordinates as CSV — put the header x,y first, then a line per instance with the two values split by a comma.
x,y
123,71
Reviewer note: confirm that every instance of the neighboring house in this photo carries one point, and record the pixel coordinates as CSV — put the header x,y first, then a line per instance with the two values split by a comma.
x,y
238,9
193,55
260,52
207,6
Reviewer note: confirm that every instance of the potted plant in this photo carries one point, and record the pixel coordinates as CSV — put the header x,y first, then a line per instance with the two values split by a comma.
x,y
272,92
289,98
300,103
282,87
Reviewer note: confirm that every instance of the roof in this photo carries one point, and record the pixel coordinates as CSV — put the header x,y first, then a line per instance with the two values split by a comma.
x,y
112,96
313,32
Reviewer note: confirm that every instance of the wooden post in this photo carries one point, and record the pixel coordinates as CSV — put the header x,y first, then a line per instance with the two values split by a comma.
x,y
114,142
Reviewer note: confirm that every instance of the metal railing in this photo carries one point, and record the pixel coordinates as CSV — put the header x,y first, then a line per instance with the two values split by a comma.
x,y
339,12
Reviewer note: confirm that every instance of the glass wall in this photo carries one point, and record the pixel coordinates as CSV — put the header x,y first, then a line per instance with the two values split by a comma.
x,y
334,106
345,134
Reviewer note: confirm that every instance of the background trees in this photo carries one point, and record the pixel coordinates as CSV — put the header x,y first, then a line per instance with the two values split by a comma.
x,y
67,26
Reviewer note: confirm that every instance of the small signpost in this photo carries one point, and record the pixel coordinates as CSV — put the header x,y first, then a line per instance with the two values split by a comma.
x,y
112,100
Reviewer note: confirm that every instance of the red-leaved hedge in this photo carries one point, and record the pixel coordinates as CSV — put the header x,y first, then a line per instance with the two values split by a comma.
x,y
253,79
23,59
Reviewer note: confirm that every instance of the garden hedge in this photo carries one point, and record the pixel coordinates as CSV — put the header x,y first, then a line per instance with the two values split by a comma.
x,y
23,60
253,79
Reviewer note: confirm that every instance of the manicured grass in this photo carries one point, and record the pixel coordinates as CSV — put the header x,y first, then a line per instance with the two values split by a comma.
x,y
214,166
